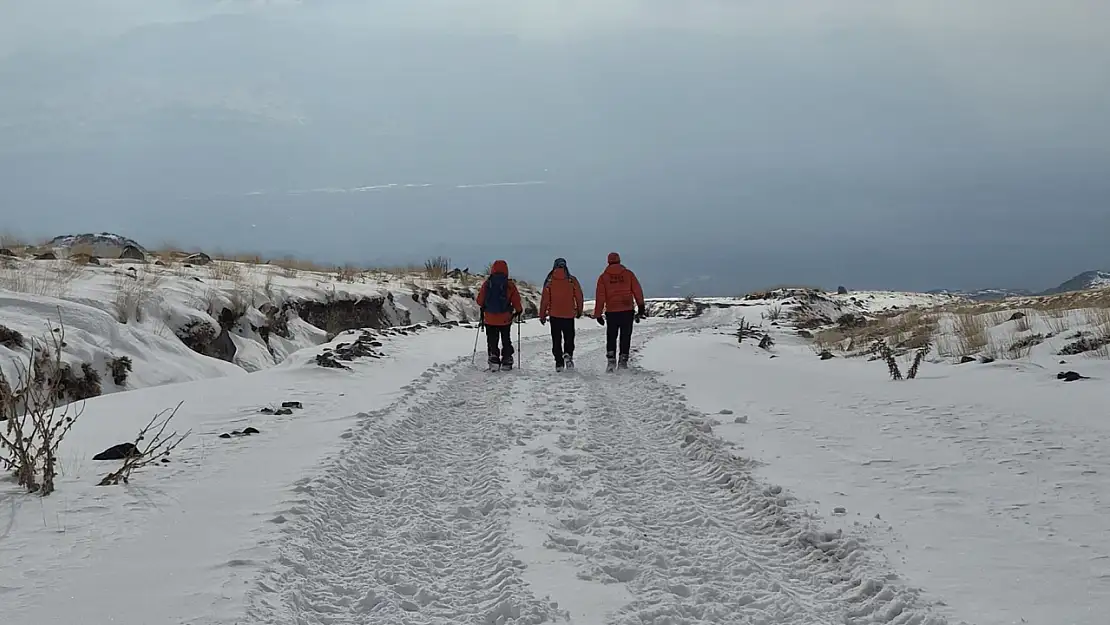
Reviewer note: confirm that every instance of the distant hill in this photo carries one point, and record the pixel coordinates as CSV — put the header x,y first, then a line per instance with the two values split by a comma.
x,y
1086,280
984,295
98,241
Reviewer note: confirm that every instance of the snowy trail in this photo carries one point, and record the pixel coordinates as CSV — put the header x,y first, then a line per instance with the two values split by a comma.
x,y
531,497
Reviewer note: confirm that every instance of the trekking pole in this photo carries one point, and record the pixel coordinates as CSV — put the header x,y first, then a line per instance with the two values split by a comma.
x,y
519,345
474,354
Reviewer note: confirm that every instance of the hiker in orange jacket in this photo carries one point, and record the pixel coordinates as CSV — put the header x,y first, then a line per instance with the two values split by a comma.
x,y
499,301
620,298
562,301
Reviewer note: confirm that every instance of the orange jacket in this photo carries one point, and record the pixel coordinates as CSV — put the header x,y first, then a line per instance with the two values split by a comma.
x,y
618,290
504,318
562,296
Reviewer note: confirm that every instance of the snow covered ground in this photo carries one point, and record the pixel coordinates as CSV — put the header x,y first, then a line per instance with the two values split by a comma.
x,y
983,484
414,488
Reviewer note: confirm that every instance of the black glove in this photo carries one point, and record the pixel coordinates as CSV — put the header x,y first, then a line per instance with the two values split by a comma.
x,y
543,321
578,315
636,318
601,321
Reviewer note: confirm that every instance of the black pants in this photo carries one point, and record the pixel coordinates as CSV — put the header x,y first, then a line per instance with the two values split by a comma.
x,y
562,338
619,324
504,334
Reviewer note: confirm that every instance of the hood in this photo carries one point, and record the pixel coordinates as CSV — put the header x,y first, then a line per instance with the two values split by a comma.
x,y
560,263
614,268
499,266
614,258
559,274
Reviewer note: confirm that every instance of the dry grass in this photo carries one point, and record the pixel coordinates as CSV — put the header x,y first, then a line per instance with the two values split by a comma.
x,y
133,291
437,267
971,333
12,242
224,270
51,278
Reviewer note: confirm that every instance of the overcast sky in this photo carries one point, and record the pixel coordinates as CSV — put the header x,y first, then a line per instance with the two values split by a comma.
x,y
719,148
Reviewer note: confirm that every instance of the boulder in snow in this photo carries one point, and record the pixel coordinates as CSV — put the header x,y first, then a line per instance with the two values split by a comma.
x,y
130,252
118,452
199,259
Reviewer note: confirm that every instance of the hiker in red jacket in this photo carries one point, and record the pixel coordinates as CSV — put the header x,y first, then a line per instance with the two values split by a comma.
x,y
620,298
499,300
562,301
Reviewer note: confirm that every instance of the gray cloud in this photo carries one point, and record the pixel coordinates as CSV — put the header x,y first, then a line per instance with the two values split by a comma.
x,y
719,146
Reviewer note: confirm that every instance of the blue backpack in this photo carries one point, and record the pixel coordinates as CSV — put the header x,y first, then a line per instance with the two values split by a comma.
x,y
497,294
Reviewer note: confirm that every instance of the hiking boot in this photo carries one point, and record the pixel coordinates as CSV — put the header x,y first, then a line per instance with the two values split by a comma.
x,y
623,362
558,367
569,361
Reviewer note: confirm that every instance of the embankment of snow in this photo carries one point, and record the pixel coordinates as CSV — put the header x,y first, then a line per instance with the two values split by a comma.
x,y
179,322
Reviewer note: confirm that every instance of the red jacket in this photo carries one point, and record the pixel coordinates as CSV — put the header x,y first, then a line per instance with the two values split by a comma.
x,y
562,296
505,318
618,290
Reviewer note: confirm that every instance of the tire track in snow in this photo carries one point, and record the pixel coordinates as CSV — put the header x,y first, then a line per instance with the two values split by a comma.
x,y
645,497
409,525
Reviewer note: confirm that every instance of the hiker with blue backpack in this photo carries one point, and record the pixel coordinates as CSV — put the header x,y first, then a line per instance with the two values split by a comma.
x,y
499,301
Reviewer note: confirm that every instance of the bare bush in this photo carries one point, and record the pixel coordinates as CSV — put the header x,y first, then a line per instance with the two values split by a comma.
x,y
773,313
747,331
437,267
882,350
37,414
347,273
155,447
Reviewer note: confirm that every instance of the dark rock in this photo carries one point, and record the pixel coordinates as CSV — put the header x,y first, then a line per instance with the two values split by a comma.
x,y
11,339
130,252
267,411
6,252
328,361
250,430
204,338
805,334
1070,376
966,359
986,360
1063,362
826,355
225,435
118,452
337,316
841,290
46,256
1017,315
200,259
283,411
291,404
851,320
84,259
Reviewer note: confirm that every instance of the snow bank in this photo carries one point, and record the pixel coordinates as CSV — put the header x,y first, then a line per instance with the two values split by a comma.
x,y
180,321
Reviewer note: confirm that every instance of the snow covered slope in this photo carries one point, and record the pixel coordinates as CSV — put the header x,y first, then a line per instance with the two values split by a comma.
x,y
183,321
